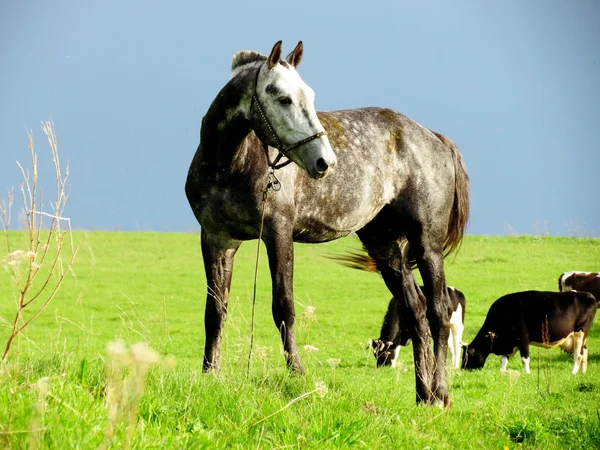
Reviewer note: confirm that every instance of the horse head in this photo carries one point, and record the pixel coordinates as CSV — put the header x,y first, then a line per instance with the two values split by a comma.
x,y
282,111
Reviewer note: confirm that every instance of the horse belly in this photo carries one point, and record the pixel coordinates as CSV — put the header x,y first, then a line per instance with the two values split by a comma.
x,y
328,217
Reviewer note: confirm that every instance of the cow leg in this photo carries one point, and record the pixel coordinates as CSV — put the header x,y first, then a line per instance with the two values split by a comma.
x,y
280,249
503,362
455,338
451,346
395,354
454,345
578,346
218,257
584,359
524,351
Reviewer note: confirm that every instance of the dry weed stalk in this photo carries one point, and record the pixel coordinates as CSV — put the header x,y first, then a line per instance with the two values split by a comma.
x,y
36,428
333,363
45,246
309,316
320,389
39,410
126,369
263,356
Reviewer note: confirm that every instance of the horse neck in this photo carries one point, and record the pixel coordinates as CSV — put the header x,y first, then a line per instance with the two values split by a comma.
x,y
225,128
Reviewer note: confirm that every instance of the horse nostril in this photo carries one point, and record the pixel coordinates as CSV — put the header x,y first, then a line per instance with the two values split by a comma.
x,y
322,166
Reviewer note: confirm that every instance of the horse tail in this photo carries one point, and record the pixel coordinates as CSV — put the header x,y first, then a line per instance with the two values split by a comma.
x,y
460,209
356,260
364,260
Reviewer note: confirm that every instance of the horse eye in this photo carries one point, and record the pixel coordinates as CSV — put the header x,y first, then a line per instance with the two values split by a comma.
x,y
285,100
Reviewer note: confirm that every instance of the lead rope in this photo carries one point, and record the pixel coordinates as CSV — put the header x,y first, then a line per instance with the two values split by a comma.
x,y
274,184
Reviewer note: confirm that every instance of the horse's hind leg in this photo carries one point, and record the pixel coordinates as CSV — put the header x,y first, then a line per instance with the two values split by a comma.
x,y
280,249
218,264
431,266
392,263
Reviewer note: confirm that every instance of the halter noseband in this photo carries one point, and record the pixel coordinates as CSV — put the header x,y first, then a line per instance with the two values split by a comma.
x,y
281,146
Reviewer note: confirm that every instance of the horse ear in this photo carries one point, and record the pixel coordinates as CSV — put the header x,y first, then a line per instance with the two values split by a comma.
x,y
275,55
295,57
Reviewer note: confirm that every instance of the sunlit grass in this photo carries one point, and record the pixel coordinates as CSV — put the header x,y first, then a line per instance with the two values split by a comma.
x,y
150,288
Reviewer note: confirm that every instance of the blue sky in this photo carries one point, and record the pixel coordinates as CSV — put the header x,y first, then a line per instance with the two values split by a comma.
x,y
515,84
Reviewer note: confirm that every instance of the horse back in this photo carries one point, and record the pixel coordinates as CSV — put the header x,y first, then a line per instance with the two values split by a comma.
x,y
384,158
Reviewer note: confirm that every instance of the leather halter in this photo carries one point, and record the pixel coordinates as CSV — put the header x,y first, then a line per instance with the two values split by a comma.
x,y
281,146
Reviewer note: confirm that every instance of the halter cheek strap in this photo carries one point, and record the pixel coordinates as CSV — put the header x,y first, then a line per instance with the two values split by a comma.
x,y
281,146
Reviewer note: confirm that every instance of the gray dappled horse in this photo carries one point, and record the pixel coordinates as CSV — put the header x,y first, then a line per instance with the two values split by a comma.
x,y
393,179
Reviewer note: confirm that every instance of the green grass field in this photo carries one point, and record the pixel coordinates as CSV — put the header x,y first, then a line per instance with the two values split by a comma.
x,y
56,390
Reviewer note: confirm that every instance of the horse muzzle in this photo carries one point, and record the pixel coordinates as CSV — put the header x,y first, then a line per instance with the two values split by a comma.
x,y
320,158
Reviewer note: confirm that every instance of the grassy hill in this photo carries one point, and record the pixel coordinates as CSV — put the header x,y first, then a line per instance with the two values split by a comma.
x,y
150,288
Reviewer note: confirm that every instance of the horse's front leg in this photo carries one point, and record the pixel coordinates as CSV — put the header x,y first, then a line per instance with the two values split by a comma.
x,y
280,248
218,254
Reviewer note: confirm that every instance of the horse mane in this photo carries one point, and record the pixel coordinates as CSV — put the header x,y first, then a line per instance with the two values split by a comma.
x,y
244,58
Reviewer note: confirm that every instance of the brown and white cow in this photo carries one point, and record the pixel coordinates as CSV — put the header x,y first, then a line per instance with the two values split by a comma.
x,y
393,334
544,319
580,281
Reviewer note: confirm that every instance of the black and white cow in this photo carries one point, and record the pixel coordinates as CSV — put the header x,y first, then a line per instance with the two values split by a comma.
x,y
544,319
393,334
580,281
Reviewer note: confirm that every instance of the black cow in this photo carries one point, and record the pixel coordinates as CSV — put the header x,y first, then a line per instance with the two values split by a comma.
x,y
580,281
394,334
545,319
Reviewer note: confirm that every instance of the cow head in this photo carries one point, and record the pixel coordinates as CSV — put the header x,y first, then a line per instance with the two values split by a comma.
x,y
385,352
471,358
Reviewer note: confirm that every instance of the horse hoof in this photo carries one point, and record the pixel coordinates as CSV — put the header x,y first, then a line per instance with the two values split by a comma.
x,y
441,402
297,369
210,368
445,403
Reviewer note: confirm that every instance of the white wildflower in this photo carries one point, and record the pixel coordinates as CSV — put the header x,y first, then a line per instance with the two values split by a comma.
x,y
310,348
321,388
144,355
14,258
333,362
117,350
